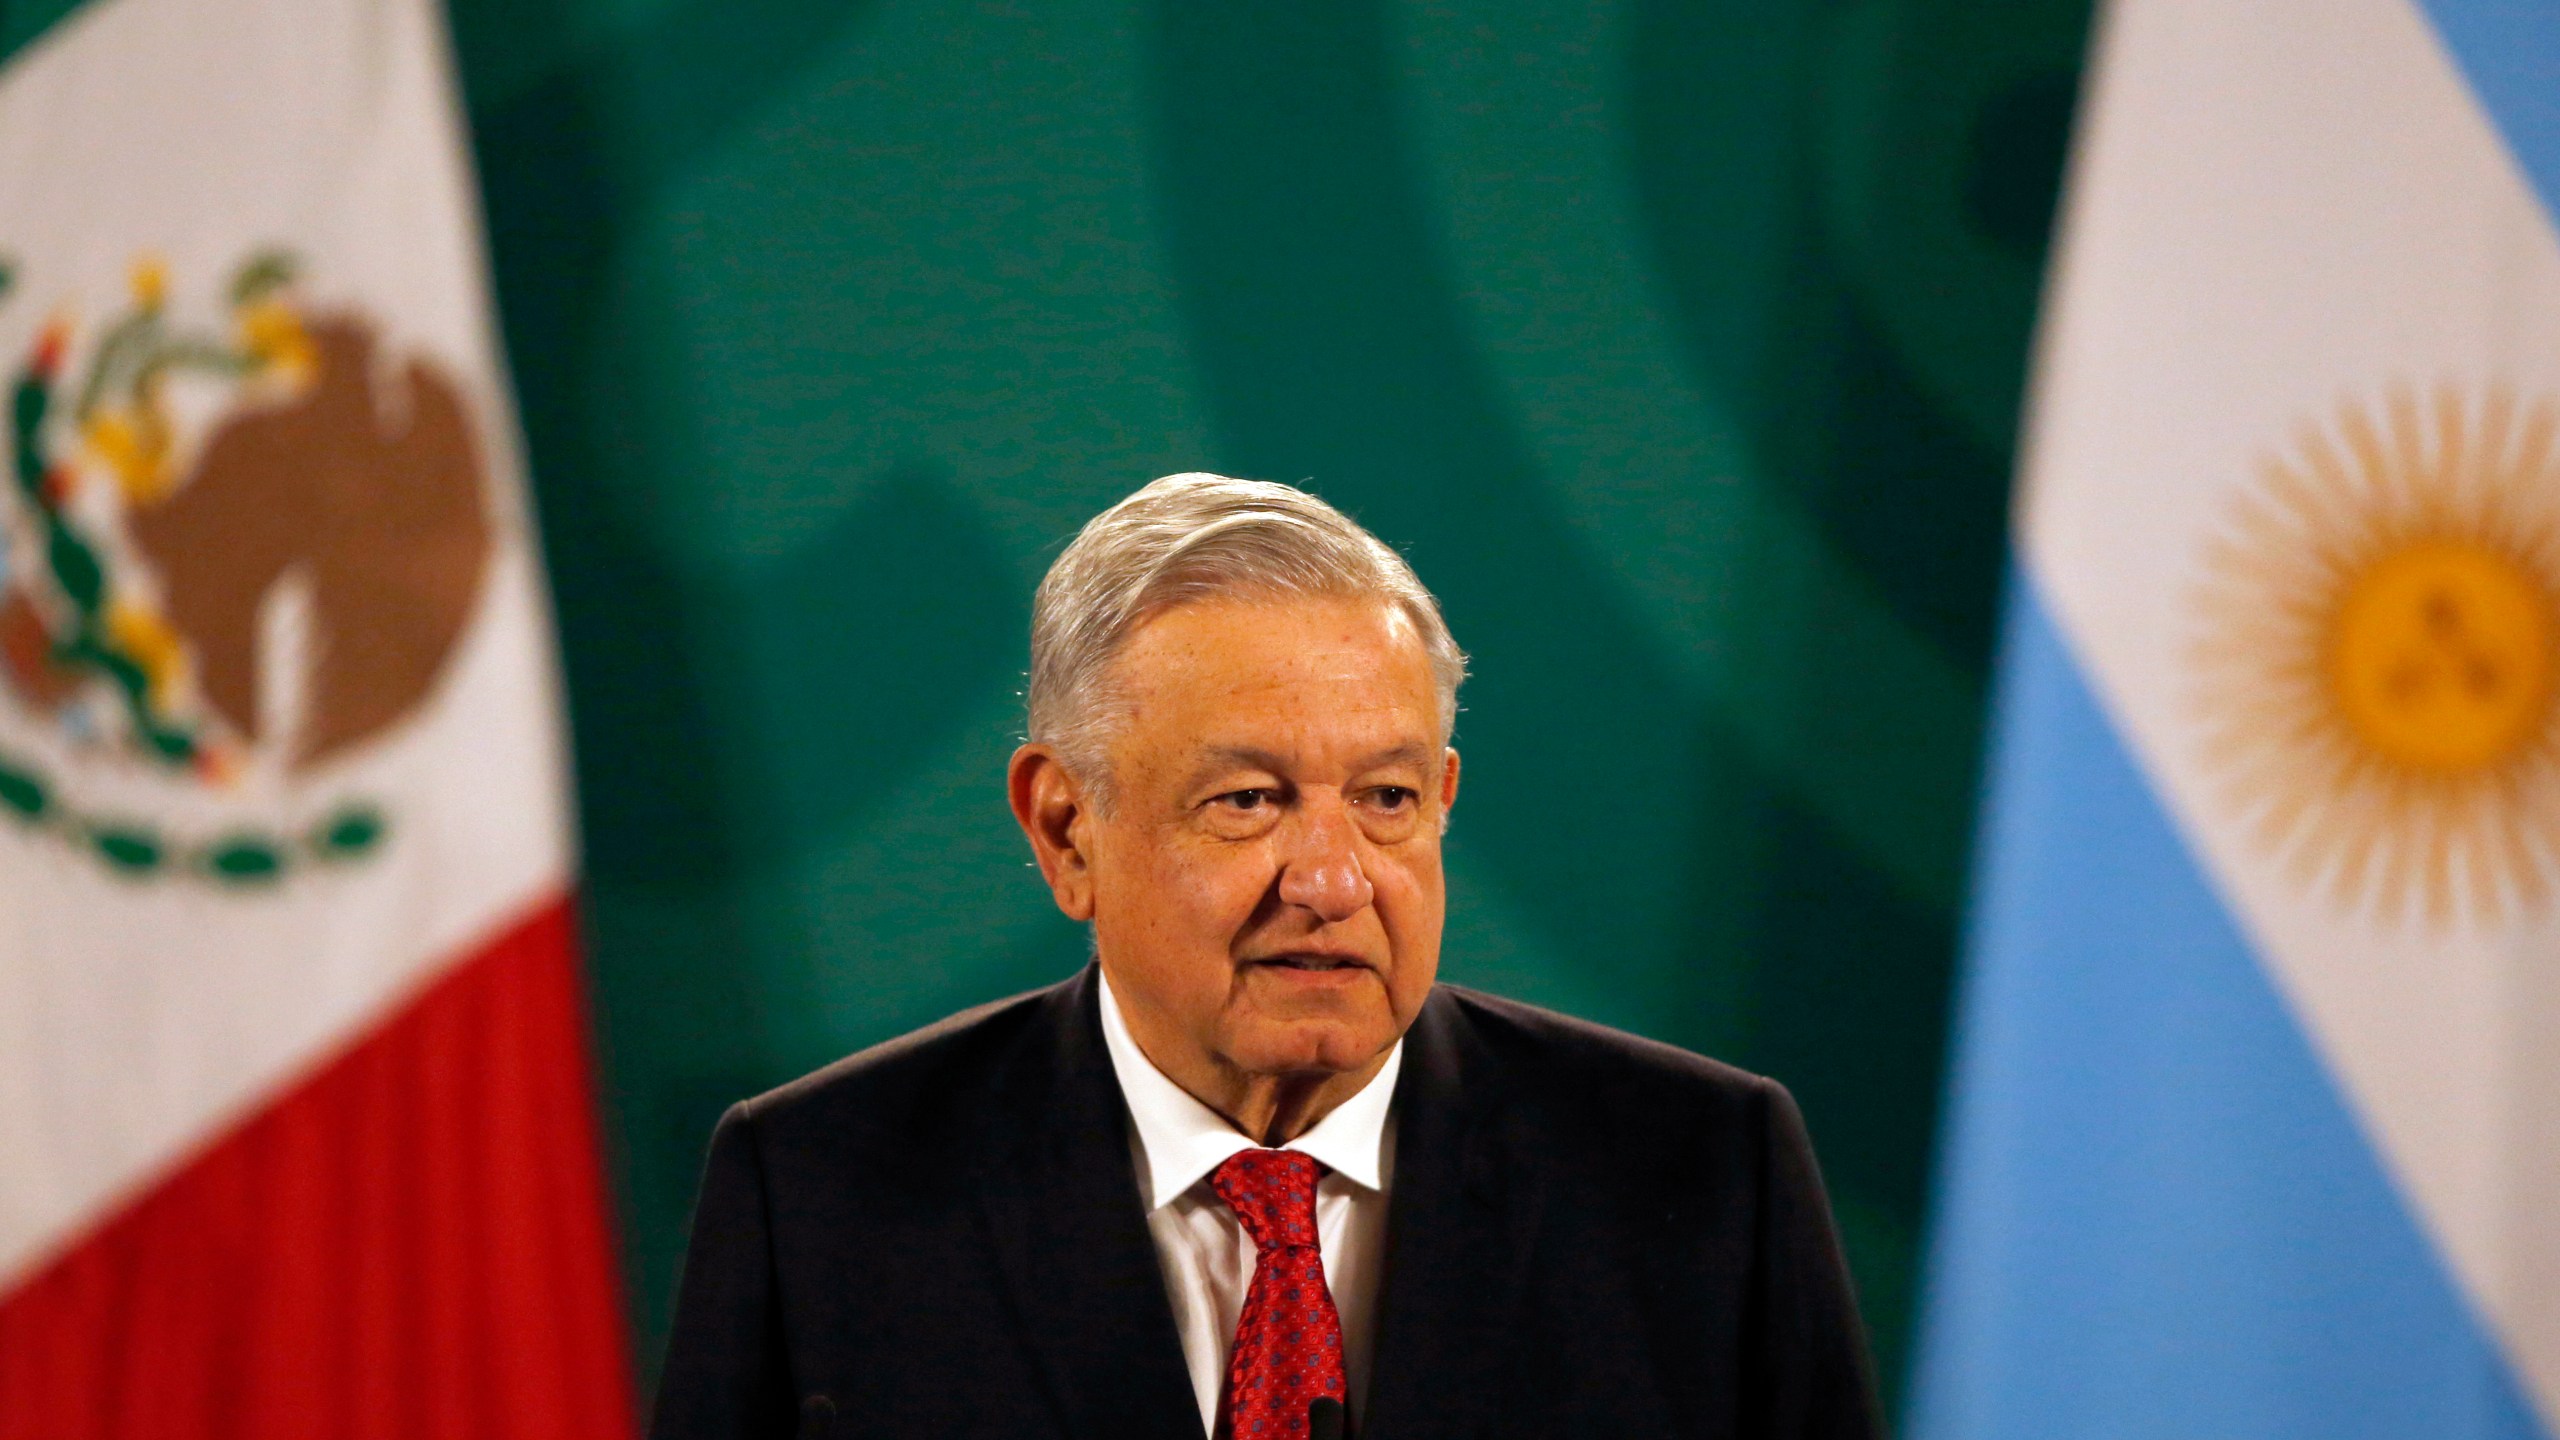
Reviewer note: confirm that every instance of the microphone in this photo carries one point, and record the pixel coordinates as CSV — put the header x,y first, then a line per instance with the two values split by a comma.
x,y
1324,1418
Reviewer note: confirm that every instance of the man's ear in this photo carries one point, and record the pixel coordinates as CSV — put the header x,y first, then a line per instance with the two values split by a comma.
x,y
1051,809
1448,780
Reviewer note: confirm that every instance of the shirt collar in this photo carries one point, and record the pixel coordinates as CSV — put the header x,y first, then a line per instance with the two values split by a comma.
x,y
1180,1140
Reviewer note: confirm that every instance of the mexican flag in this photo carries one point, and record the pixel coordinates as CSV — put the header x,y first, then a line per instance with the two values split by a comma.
x,y
296,1131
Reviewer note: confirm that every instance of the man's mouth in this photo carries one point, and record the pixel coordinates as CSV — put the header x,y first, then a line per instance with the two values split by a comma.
x,y
1312,963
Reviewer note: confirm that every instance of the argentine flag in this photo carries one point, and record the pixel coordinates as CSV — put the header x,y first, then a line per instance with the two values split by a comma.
x,y
2255,1127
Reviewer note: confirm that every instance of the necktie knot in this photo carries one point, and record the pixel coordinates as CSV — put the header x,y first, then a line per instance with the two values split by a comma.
x,y
1273,1192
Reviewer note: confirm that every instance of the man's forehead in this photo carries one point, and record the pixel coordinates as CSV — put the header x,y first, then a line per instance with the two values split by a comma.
x,y
1246,643
1222,755
1295,685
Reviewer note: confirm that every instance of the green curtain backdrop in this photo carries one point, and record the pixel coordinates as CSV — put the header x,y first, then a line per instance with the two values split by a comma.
x,y
1679,344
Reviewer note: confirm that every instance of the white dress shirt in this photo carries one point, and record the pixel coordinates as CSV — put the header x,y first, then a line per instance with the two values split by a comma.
x,y
1206,1256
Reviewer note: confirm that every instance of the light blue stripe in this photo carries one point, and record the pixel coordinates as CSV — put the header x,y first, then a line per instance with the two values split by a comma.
x,y
2156,1217
2510,52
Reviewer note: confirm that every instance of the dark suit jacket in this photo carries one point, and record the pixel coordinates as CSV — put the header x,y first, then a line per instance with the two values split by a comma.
x,y
1589,1235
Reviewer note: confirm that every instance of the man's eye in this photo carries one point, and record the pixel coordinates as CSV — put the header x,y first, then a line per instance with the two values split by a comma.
x,y
1393,797
1247,800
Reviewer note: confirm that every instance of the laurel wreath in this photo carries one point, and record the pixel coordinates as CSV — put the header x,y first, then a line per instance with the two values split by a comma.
x,y
245,856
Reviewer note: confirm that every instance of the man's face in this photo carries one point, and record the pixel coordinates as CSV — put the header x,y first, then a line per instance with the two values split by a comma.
x,y
1266,889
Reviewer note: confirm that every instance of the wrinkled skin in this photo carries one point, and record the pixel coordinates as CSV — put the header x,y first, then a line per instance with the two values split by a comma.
x,y
1265,884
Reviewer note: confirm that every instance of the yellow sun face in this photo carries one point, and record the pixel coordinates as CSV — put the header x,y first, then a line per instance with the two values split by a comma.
x,y
2379,657
2440,656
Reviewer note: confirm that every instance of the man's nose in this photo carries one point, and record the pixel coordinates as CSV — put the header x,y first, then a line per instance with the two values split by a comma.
x,y
1320,869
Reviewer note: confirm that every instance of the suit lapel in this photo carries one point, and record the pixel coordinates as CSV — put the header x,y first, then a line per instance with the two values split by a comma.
x,y
1061,1203
1458,1231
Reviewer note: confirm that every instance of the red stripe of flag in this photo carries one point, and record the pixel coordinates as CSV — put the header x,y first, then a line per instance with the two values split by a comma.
x,y
412,1243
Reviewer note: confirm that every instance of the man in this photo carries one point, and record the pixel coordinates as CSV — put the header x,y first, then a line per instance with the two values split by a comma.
x,y
1252,1170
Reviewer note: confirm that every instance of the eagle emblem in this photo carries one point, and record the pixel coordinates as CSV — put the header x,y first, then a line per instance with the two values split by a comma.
x,y
230,556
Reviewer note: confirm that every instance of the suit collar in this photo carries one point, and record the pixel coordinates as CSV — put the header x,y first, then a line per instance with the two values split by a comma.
x,y
1062,1207
1061,1203
1459,1228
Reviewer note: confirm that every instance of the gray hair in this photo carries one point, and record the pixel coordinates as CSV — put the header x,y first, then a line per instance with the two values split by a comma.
x,y
1188,538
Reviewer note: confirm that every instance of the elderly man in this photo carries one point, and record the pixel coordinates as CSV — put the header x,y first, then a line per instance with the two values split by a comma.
x,y
1251,1172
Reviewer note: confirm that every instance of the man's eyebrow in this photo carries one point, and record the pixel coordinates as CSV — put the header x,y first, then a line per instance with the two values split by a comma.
x,y
1227,757
1230,757
1409,753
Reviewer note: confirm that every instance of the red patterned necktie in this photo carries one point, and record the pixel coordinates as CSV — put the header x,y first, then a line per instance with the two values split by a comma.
x,y
1288,1346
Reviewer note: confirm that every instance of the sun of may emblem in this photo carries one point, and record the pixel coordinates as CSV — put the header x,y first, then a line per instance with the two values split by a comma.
x,y
2379,656
231,553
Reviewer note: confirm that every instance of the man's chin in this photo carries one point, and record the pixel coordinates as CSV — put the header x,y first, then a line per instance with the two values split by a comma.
x,y
1330,1040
